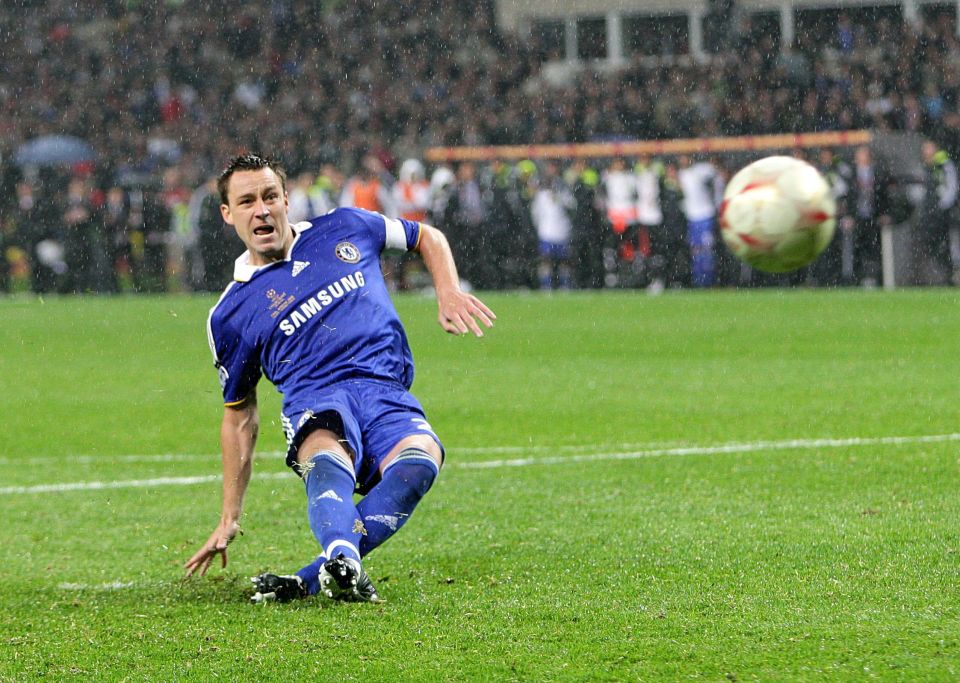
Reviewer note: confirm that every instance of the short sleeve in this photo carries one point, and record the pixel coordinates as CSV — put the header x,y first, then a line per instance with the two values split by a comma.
x,y
401,233
392,233
237,362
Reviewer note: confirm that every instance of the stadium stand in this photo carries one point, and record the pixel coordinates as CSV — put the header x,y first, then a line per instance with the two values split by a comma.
x,y
162,92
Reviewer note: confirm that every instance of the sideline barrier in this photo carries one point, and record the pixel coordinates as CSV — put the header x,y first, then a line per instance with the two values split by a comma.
x,y
746,143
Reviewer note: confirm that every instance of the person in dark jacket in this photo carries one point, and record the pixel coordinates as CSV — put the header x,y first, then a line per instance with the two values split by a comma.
x,y
589,228
869,209
936,211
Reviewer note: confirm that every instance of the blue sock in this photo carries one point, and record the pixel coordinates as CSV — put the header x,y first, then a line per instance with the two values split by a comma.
x,y
391,502
311,575
334,519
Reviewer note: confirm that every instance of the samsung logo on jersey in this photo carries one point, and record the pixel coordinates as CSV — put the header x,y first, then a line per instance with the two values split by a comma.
x,y
321,299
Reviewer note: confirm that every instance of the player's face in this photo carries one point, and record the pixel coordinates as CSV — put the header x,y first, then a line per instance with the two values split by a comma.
x,y
257,210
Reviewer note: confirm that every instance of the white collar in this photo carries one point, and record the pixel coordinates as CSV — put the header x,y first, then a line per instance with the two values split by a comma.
x,y
243,270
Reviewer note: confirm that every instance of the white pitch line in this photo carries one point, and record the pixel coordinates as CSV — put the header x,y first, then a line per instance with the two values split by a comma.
x,y
110,586
792,444
126,483
45,460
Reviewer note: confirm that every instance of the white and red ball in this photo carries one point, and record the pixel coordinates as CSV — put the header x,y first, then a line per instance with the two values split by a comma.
x,y
778,214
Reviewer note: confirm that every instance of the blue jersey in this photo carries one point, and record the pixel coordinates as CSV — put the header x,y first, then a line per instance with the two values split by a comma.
x,y
321,316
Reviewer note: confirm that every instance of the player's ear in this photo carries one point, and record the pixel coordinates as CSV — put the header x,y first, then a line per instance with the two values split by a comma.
x,y
227,216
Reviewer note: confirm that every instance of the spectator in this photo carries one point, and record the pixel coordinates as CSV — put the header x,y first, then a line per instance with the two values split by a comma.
x,y
151,219
649,174
326,188
551,204
503,248
411,201
671,238
411,193
525,239
936,211
18,238
213,237
468,214
442,186
369,188
181,239
828,269
300,199
869,202
620,193
589,229
115,217
84,246
701,194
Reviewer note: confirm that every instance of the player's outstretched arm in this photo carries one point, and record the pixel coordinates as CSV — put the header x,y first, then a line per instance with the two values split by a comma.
x,y
459,312
238,436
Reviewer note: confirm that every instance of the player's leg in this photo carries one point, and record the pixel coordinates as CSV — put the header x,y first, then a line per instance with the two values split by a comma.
x,y
406,474
327,467
545,267
325,461
564,270
702,264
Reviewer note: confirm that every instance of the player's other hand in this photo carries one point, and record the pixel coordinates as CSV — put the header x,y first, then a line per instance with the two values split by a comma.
x,y
215,545
460,312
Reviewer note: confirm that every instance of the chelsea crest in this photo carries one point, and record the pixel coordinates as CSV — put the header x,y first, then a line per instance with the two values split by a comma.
x,y
348,252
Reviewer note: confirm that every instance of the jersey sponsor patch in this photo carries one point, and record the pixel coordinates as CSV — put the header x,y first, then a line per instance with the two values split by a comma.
x,y
348,252
319,301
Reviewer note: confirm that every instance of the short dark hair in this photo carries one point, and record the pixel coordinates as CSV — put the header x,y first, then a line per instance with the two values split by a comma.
x,y
248,162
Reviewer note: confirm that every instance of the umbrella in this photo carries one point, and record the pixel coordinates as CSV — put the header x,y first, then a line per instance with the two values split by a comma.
x,y
51,150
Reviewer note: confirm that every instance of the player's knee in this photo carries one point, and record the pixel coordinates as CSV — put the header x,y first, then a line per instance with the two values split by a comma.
x,y
325,466
323,440
422,442
415,470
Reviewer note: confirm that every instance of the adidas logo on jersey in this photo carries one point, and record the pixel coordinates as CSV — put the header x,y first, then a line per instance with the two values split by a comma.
x,y
298,267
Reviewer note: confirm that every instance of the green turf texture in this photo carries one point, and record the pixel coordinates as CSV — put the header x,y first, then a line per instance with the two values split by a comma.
x,y
617,533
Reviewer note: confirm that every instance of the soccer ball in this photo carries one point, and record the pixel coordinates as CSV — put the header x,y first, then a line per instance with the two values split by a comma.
x,y
778,214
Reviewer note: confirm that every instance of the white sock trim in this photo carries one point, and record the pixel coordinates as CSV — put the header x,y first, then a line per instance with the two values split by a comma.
x,y
329,552
411,455
337,459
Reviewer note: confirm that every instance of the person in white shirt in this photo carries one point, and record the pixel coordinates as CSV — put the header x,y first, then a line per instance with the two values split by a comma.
x,y
620,192
650,241
411,194
702,191
411,201
551,203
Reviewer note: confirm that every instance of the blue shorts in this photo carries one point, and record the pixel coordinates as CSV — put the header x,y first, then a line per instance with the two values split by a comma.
x,y
558,251
372,416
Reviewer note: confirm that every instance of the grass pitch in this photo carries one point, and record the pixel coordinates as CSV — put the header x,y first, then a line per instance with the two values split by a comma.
x,y
716,486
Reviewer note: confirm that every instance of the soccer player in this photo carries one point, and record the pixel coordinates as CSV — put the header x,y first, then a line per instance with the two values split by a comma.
x,y
309,309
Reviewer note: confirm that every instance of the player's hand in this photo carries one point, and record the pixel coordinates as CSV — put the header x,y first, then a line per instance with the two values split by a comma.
x,y
459,313
215,545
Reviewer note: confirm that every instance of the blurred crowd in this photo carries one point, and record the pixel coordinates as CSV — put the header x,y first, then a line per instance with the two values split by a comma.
x,y
638,222
348,94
